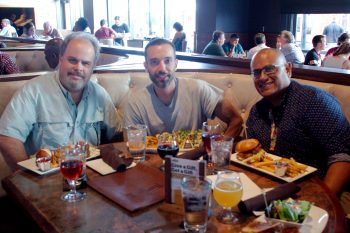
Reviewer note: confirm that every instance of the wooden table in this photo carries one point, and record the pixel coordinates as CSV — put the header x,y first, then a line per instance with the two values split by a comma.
x,y
40,196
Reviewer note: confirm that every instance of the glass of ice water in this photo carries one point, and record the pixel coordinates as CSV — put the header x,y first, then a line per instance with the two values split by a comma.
x,y
221,149
196,197
137,141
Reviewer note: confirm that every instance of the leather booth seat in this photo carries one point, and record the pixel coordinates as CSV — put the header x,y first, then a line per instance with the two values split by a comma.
x,y
34,60
238,88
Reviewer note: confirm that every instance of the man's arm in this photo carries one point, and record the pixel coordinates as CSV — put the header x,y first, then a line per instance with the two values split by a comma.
x,y
225,111
338,175
12,150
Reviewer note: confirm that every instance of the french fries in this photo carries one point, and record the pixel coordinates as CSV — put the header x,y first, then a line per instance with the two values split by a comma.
x,y
151,142
293,169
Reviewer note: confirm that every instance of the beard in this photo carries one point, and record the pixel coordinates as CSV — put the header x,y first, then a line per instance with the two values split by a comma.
x,y
74,85
161,79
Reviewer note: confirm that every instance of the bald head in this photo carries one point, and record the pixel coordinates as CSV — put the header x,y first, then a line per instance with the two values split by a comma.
x,y
271,74
271,54
47,27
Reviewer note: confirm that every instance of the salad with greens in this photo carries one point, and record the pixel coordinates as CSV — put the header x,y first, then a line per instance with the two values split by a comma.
x,y
288,210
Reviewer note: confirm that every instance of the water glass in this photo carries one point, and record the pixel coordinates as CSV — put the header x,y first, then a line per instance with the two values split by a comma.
x,y
82,148
137,141
221,149
196,198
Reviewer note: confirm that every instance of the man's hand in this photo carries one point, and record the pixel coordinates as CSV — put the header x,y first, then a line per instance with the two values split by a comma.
x,y
225,111
338,175
13,151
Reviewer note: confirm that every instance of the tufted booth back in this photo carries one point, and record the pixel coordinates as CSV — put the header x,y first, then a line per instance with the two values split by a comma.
x,y
238,88
34,61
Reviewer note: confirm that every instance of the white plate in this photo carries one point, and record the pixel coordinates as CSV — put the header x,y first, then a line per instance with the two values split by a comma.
x,y
250,189
30,164
103,168
315,222
288,179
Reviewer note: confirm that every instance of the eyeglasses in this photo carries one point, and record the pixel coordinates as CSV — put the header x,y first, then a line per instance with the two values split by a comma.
x,y
268,70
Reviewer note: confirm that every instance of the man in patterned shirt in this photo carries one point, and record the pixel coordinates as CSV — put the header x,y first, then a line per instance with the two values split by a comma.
x,y
308,122
7,66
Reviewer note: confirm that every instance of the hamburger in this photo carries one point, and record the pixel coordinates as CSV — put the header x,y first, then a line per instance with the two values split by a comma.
x,y
43,153
250,151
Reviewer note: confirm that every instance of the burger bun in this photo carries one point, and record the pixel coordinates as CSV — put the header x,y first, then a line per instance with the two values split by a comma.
x,y
247,145
43,153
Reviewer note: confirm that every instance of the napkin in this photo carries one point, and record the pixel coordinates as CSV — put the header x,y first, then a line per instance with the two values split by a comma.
x,y
257,203
112,156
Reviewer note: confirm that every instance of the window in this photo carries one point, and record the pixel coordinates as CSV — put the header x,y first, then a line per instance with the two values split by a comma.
x,y
184,12
149,18
118,8
331,25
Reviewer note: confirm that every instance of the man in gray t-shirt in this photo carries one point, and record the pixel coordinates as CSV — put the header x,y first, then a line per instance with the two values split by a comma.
x,y
172,103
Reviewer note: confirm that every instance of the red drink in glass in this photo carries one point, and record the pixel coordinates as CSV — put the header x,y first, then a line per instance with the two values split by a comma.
x,y
206,140
167,149
71,169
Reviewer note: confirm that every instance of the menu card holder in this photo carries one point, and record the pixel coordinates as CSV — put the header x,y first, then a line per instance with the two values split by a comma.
x,y
133,189
175,170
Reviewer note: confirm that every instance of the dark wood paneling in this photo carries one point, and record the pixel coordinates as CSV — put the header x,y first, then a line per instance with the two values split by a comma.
x,y
206,16
265,16
203,39
315,6
233,15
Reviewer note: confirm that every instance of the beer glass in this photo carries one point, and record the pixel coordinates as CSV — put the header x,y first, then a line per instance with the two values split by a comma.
x,y
227,192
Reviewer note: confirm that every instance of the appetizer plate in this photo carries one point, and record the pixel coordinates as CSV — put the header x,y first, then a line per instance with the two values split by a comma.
x,y
286,178
30,164
315,222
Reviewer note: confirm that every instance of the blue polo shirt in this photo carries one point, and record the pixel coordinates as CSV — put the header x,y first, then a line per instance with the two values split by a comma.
x,y
43,114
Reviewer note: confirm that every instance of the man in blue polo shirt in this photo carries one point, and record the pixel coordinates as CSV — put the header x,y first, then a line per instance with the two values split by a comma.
x,y
60,107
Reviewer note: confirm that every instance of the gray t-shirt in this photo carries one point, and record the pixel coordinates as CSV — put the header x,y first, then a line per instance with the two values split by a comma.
x,y
193,103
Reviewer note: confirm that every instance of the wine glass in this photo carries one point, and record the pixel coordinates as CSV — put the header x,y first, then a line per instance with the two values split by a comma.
x,y
71,166
228,192
209,130
167,145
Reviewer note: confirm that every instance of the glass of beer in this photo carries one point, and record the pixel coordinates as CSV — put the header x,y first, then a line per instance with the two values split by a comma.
x,y
137,135
228,192
196,198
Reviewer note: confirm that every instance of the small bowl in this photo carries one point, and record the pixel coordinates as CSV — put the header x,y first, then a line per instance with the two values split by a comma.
x,y
280,168
44,163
